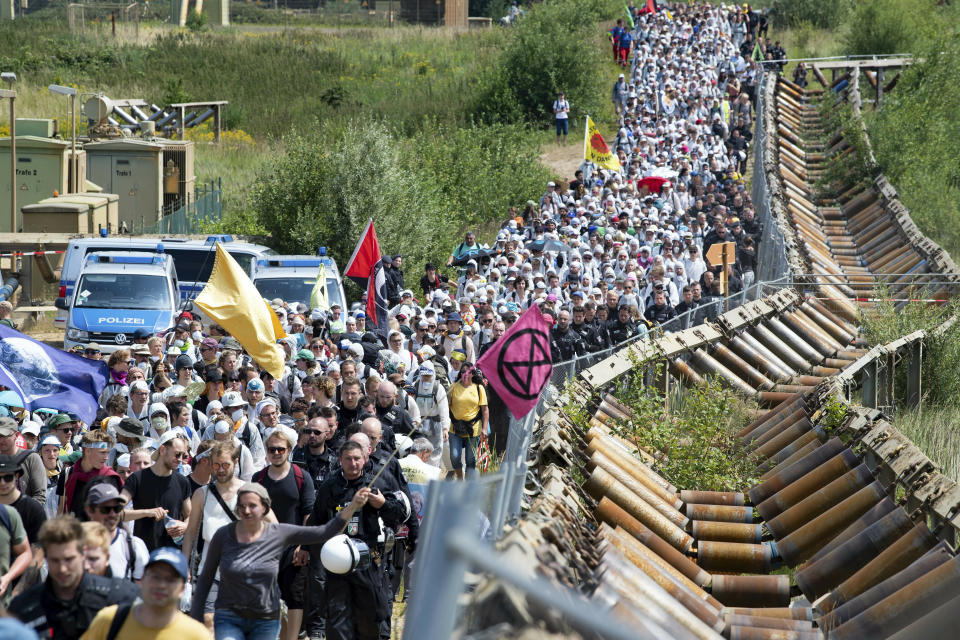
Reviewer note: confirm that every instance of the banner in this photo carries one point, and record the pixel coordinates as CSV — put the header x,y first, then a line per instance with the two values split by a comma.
x,y
596,150
231,300
318,296
518,365
376,310
365,255
47,378
629,16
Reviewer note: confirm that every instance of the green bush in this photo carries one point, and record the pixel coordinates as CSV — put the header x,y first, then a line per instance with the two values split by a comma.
x,y
694,441
420,192
820,13
877,27
554,48
914,138
197,21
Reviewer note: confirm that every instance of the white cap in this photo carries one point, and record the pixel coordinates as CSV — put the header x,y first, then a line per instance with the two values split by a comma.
x,y
123,460
222,427
31,427
232,399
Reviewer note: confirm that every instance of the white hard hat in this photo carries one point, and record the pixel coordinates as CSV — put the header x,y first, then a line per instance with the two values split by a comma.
x,y
403,445
342,554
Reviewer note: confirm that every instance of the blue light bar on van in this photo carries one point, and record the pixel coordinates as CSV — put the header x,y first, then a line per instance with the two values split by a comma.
x,y
219,238
144,259
322,252
298,262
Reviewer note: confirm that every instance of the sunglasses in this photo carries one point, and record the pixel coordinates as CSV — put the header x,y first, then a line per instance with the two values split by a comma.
x,y
316,347
181,456
66,429
277,449
8,477
313,432
117,508
90,352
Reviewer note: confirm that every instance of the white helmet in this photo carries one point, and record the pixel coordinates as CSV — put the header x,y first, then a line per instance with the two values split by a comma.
x,y
342,554
403,445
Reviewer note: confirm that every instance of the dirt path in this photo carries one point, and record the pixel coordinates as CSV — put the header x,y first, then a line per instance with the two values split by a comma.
x,y
562,160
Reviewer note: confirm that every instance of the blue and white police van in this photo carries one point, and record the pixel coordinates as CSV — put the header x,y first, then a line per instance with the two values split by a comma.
x,y
192,259
292,278
118,292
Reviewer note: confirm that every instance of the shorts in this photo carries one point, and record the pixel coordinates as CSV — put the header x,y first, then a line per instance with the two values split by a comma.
x,y
293,582
563,126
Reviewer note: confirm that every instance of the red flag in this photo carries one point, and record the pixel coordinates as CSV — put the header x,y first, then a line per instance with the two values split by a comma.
x,y
364,257
518,365
377,312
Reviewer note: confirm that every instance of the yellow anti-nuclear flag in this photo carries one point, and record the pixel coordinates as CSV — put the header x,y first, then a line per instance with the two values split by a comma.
x,y
231,300
596,150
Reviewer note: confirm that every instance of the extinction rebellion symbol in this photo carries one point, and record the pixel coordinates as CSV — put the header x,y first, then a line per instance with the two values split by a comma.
x,y
523,363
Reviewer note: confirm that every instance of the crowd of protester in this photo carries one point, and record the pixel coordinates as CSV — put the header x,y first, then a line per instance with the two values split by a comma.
x,y
208,484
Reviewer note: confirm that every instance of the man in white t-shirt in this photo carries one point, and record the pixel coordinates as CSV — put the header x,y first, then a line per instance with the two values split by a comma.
x,y
561,111
128,553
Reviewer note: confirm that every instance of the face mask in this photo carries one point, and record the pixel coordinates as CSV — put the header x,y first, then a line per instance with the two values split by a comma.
x,y
178,343
236,414
154,358
159,423
143,366
426,387
197,336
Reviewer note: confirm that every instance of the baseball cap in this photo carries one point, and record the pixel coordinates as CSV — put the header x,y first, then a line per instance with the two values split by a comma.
x,y
93,347
51,439
209,342
171,557
454,317
103,492
255,384
8,426
31,427
305,354
232,399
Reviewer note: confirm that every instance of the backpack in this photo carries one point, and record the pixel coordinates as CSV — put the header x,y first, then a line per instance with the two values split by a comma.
x,y
118,619
297,475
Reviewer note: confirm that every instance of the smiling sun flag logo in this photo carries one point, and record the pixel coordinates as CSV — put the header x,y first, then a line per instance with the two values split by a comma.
x,y
596,149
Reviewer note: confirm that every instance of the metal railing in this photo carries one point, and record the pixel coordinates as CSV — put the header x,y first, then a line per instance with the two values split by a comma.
x,y
206,206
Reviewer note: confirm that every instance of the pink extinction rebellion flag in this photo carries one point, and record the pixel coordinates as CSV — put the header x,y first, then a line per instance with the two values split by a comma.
x,y
518,365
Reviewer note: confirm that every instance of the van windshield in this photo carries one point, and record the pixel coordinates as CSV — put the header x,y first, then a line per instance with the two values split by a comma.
x,y
296,289
123,291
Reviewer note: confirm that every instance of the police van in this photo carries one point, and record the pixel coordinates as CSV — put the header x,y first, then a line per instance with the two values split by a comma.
x,y
193,260
118,292
292,278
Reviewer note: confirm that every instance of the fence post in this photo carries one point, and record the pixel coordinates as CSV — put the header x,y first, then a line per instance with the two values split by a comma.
x,y
868,385
914,377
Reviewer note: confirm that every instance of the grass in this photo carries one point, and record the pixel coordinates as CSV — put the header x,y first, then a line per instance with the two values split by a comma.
x,y
936,430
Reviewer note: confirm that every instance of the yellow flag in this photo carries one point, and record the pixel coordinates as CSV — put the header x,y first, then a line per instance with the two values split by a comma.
x,y
318,296
596,150
231,300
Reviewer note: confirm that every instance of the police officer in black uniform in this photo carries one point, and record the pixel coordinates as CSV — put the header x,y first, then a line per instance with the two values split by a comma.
x,y
587,332
565,343
64,605
315,456
403,539
622,327
393,418
358,602
320,461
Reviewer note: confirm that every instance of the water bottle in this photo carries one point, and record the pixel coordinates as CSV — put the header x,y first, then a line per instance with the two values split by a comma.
x,y
167,523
